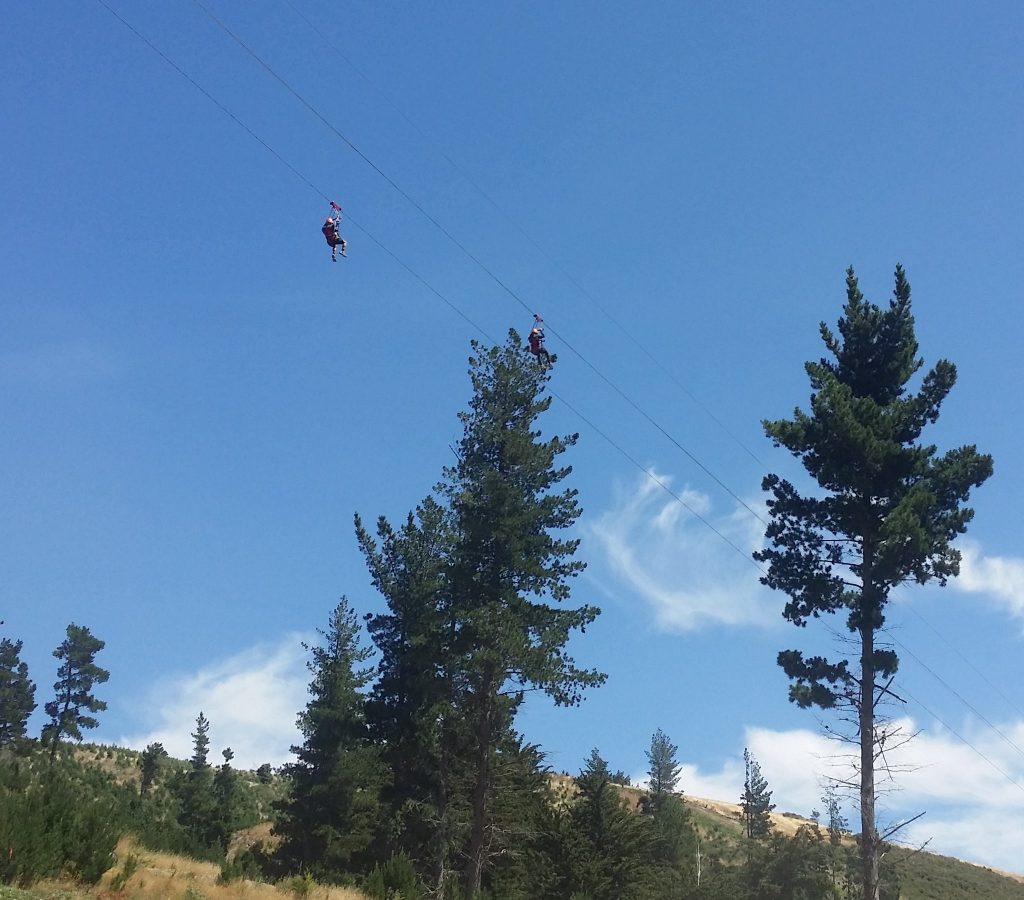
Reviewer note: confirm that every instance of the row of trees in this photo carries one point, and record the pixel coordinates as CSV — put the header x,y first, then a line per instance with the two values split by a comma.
x,y
416,765
419,758
65,815
476,582
350,817
467,634
190,810
74,702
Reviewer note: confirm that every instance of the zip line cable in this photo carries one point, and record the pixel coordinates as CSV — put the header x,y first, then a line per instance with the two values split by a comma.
x,y
955,693
427,139
501,283
283,161
658,427
744,553
650,475
607,438
211,98
973,667
964,740
647,473
491,274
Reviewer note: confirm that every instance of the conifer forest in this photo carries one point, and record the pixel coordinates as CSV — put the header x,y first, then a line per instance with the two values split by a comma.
x,y
414,778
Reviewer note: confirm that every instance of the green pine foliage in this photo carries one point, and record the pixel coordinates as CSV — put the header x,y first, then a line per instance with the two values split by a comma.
x,y
198,814
887,511
509,556
604,849
77,674
234,802
788,867
201,743
150,762
411,708
332,815
17,693
664,769
674,850
476,582
520,817
46,829
394,879
756,800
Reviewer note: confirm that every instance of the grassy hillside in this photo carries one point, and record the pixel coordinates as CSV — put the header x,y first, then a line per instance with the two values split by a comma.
x,y
923,876
140,874
927,876
122,765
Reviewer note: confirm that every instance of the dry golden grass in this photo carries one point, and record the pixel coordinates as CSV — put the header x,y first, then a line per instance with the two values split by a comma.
x,y
729,814
114,766
786,824
564,788
159,876
250,837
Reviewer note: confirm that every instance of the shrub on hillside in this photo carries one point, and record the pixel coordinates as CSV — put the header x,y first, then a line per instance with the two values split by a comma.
x,y
394,880
48,831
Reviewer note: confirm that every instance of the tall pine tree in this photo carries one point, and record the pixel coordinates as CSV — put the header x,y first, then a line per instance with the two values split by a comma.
x,y
886,513
201,744
608,850
411,709
663,773
756,801
510,552
17,693
235,808
194,789
468,582
331,815
150,761
77,675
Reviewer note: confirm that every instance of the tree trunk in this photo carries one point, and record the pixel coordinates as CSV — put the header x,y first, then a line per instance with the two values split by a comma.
x,y
869,835
475,864
441,835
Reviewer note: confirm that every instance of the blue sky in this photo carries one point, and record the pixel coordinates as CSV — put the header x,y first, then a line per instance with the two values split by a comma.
x,y
195,400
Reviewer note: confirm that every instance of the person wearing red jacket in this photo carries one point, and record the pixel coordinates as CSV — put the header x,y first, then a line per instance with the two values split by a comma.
x,y
537,348
334,238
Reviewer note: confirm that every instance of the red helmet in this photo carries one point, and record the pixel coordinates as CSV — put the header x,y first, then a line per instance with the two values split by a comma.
x,y
329,222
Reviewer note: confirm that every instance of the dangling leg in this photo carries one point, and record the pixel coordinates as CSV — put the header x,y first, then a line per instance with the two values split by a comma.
x,y
344,244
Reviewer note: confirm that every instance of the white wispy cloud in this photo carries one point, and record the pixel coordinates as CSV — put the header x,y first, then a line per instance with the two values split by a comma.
x,y
973,801
688,575
974,836
1001,577
251,699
